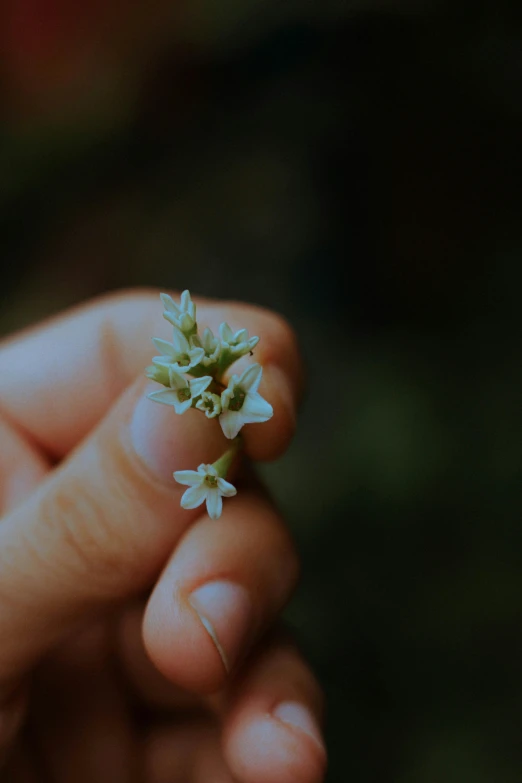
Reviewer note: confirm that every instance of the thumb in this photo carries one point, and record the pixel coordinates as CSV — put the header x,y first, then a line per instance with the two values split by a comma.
x,y
101,527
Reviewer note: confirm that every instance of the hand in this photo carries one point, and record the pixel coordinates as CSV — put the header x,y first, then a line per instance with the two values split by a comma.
x,y
102,574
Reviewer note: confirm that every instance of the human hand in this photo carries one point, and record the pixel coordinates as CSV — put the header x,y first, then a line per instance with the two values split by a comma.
x,y
99,566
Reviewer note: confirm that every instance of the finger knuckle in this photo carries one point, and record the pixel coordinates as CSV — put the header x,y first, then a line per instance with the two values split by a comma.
x,y
75,527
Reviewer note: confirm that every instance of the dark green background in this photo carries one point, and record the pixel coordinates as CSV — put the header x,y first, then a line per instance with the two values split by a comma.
x,y
357,167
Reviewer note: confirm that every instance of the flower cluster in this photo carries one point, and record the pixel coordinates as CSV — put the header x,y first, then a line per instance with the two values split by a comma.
x,y
191,370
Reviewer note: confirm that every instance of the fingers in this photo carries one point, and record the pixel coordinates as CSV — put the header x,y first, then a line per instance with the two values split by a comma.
x,y
272,731
144,681
58,381
21,467
185,753
79,714
223,586
101,526
97,530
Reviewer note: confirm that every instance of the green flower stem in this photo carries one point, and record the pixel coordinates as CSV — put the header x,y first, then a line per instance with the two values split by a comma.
x,y
216,387
222,465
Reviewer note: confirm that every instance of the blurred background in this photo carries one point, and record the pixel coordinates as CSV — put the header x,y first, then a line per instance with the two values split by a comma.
x,y
356,165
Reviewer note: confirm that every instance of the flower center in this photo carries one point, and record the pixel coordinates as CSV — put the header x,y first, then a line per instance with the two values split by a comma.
x,y
211,481
184,360
184,394
237,399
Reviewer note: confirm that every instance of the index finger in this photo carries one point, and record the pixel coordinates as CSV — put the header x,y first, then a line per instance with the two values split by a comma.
x,y
59,380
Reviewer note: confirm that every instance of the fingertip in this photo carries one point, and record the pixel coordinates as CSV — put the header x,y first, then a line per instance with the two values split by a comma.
x,y
178,643
266,748
272,730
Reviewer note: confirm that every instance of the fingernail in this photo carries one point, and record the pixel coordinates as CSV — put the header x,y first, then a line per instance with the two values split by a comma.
x,y
297,715
167,442
225,609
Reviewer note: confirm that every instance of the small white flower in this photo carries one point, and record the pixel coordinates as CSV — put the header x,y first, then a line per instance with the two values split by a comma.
x,y
178,354
239,343
210,404
158,373
182,391
210,344
204,484
242,404
183,315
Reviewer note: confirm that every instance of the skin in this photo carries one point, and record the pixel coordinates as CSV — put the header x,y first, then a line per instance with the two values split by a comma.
x,y
106,672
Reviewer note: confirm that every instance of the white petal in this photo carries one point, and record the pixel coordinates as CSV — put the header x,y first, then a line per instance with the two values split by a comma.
x,y
165,348
162,361
251,344
208,340
202,469
166,397
196,355
189,477
231,422
227,490
256,408
225,332
177,381
214,504
194,497
181,407
169,304
185,322
179,341
185,301
251,378
211,470
179,368
198,385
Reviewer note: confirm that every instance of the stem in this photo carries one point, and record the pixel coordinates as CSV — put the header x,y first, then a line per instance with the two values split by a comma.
x,y
217,387
223,464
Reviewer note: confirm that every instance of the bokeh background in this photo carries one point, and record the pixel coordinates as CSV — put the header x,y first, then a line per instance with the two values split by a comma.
x,y
357,166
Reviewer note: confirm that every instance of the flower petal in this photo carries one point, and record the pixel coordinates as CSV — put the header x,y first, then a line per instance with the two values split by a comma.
x,y
225,332
251,378
162,361
198,385
227,490
189,477
166,397
193,497
177,380
256,408
165,348
169,304
179,341
181,407
196,355
231,422
207,341
214,504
